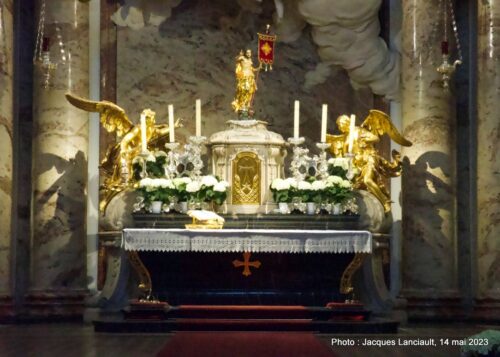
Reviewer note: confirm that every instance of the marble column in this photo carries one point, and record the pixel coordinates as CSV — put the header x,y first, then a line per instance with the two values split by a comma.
x,y
6,151
60,135
429,258
488,156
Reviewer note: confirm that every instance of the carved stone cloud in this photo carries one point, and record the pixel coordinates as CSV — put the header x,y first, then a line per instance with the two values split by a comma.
x,y
347,35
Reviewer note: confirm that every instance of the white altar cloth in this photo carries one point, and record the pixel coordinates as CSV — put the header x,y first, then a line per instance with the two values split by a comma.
x,y
247,240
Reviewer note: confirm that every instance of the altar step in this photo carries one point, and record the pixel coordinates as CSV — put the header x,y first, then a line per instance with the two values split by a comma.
x,y
338,312
339,318
375,326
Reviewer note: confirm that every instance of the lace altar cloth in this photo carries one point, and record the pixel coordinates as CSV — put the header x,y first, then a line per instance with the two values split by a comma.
x,y
247,240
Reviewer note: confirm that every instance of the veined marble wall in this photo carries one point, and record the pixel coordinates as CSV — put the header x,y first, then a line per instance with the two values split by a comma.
x,y
428,194
60,166
488,150
191,55
6,143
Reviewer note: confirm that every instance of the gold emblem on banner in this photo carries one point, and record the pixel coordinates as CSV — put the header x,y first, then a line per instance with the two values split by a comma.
x,y
246,179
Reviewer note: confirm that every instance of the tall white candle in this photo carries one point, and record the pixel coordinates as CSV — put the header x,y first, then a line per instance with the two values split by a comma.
x,y
171,122
324,117
143,133
296,113
352,128
198,117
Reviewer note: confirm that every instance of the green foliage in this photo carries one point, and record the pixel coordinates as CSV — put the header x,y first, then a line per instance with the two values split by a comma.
x,y
282,196
337,171
485,343
337,194
155,168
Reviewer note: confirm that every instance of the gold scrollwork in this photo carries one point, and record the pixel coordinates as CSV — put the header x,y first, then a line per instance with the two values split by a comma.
x,y
346,279
145,283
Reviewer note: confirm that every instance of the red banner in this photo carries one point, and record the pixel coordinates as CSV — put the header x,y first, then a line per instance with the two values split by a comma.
x,y
266,48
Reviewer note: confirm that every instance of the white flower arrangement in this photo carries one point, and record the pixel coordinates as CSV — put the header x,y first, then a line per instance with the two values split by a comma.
x,y
345,184
193,187
205,189
341,162
282,190
292,182
280,185
333,180
209,181
318,185
304,186
221,186
180,181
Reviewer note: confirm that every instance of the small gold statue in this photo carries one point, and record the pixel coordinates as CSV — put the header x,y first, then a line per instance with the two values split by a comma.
x,y
116,165
246,84
372,167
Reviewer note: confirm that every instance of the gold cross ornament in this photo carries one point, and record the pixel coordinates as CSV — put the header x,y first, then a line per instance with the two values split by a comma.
x,y
246,263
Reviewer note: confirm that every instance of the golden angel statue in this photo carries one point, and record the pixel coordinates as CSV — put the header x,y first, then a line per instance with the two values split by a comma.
x,y
372,167
246,84
116,165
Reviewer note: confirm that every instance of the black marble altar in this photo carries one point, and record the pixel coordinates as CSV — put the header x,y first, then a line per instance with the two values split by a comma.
x,y
282,279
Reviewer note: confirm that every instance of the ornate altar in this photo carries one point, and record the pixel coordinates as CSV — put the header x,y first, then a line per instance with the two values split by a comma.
x,y
249,157
171,262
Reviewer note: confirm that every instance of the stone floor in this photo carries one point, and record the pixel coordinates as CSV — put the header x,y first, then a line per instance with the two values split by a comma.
x,y
54,340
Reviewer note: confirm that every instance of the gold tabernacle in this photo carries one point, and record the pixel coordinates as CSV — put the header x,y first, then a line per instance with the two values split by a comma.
x,y
246,179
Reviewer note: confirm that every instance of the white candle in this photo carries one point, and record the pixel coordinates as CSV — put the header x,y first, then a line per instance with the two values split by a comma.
x,y
171,122
324,117
352,127
198,117
143,133
296,114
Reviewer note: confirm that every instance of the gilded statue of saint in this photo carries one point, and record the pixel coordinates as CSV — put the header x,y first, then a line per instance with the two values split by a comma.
x,y
372,167
246,83
116,166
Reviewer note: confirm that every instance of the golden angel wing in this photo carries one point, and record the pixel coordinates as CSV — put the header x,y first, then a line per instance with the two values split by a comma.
x,y
379,123
336,144
113,117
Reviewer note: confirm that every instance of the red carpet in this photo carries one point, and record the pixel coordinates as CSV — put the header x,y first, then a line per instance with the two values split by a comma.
x,y
245,344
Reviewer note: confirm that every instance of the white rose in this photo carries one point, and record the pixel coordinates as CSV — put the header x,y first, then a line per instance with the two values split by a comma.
x,y
304,185
193,186
157,182
334,180
345,184
208,181
318,185
151,157
166,183
282,185
220,186
343,163
292,182
340,162
276,182
145,182
181,180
